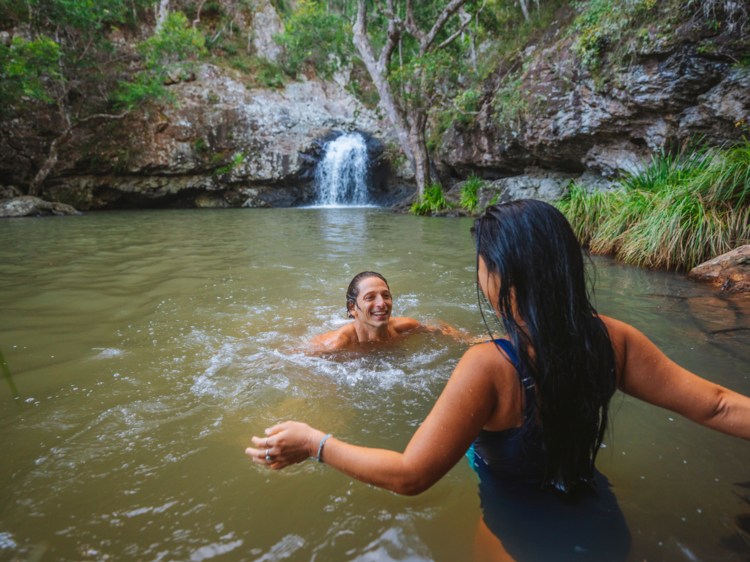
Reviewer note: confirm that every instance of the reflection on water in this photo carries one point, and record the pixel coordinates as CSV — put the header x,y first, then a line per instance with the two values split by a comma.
x,y
148,347
8,376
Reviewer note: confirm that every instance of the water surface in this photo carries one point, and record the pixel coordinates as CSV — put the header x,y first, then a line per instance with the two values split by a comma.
x,y
146,348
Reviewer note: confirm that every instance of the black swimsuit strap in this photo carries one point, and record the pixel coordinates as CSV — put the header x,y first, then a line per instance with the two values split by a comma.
x,y
526,382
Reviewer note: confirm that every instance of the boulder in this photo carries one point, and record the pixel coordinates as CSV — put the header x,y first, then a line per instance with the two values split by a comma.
x,y
26,206
266,24
9,192
536,183
730,271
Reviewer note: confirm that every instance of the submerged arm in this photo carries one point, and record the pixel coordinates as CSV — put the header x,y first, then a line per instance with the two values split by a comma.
x,y
651,376
414,326
461,411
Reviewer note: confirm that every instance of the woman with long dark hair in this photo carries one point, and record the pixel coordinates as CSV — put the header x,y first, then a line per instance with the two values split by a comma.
x,y
531,409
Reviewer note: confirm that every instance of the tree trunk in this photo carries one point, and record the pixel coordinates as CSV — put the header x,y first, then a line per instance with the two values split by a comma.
x,y
162,9
473,38
411,132
377,72
524,9
49,164
419,146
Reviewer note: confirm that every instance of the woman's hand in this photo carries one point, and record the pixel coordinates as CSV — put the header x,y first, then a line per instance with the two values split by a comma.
x,y
286,443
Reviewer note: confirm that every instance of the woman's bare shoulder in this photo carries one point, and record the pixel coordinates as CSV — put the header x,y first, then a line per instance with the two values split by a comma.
x,y
487,360
618,331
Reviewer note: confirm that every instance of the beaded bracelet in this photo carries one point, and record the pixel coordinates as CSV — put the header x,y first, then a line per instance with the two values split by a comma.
x,y
320,447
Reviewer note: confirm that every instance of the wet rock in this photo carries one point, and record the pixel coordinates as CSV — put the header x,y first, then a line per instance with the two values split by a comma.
x,y
9,192
730,271
266,24
27,206
712,314
536,183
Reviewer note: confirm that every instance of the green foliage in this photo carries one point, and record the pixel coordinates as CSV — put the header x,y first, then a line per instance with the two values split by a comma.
x,y
172,50
176,45
468,104
511,103
201,146
269,75
315,38
432,202
623,27
470,194
234,163
143,87
419,78
87,16
678,212
23,67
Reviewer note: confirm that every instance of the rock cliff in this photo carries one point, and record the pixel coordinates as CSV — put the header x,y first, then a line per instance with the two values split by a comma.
x,y
562,118
219,145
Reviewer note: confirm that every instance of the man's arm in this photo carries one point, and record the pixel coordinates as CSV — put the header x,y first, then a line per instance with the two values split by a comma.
x,y
409,325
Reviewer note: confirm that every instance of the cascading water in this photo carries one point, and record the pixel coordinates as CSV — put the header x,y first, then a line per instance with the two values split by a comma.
x,y
341,176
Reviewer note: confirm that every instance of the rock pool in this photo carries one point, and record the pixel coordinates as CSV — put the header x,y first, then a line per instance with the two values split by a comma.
x,y
146,348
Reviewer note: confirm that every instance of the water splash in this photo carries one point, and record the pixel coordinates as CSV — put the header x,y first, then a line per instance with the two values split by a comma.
x,y
341,176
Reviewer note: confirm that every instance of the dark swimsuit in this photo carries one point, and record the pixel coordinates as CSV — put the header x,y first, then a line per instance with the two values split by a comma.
x,y
535,524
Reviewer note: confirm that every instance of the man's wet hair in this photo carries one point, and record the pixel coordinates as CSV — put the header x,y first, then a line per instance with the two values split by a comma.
x,y
353,290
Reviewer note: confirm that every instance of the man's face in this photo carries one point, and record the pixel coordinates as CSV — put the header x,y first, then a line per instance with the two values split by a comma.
x,y
374,301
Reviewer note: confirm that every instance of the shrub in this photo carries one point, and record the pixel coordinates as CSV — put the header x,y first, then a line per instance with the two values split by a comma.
x,y
316,38
467,106
432,202
470,194
510,103
676,213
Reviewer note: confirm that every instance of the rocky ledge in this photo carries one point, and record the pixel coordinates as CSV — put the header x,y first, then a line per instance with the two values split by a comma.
x,y
565,118
220,145
27,206
730,271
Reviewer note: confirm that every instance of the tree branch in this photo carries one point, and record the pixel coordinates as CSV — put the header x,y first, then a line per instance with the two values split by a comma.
x,y
411,25
466,21
392,38
442,19
198,14
104,116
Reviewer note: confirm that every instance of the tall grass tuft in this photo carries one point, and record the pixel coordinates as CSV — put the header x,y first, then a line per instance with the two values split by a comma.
x,y
470,194
680,210
431,202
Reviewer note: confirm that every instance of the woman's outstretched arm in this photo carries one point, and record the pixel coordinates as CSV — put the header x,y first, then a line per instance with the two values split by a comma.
x,y
649,375
463,408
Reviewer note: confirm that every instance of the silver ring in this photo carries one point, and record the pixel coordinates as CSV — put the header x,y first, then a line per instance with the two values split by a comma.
x,y
265,445
268,457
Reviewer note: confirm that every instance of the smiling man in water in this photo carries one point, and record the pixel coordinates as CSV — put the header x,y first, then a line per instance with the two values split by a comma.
x,y
369,303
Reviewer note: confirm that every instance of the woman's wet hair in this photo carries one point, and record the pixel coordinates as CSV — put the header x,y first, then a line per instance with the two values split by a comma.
x,y
353,290
566,348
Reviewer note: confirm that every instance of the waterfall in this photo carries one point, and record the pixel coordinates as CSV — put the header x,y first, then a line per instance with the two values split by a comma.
x,y
341,176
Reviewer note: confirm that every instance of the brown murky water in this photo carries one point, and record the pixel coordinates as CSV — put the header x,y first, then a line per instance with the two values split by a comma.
x,y
146,348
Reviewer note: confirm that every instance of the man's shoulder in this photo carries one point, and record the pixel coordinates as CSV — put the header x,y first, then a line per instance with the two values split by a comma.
x,y
404,324
336,339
